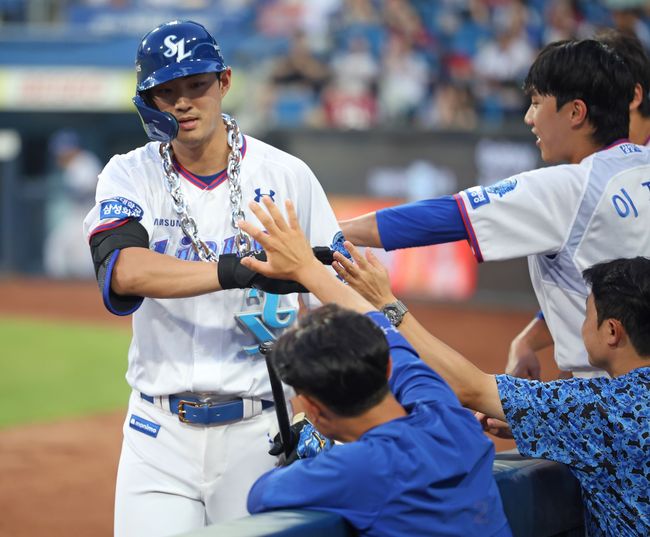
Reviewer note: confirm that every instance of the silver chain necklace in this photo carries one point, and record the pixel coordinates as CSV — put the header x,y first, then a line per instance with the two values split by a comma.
x,y
188,224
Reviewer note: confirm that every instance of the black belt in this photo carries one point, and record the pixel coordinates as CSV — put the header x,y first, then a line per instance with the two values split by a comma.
x,y
195,410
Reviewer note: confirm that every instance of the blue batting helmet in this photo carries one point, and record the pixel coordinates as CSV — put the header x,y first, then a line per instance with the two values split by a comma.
x,y
172,50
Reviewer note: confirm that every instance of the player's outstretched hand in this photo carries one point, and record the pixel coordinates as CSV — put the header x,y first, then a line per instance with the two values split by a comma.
x,y
233,274
289,254
366,275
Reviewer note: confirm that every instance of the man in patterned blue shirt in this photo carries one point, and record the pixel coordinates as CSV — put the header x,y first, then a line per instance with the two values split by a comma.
x,y
599,427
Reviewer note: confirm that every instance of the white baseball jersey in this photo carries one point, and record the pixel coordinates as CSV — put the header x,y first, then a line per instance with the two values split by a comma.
x,y
565,219
207,343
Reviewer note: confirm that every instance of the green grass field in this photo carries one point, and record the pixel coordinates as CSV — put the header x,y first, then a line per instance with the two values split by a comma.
x,y
51,370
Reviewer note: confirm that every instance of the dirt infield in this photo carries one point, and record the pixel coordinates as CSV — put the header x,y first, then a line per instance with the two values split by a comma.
x,y
57,479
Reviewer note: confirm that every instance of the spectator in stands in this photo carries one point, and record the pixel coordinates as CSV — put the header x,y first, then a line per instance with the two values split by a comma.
x,y
468,29
451,107
297,81
350,100
402,19
627,16
316,21
404,82
357,14
300,68
357,18
562,21
501,65
71,194
414,461
279,18
599,427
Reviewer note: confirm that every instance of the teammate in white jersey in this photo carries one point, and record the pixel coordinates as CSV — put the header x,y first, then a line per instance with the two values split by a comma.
x,y
522,358
195,437
565,218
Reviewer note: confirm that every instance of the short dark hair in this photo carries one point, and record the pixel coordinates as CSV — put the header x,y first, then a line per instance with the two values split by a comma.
x,y
591,71
336,355
628,47
621,290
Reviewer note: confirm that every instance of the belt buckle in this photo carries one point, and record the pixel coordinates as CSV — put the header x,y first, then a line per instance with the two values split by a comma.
x,y
181,408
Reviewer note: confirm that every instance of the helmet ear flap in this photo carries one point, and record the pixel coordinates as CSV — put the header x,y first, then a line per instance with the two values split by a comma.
x,y
159,126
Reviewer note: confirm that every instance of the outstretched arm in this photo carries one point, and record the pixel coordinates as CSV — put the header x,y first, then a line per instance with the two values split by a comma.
x,y
474,388
421,223
290,257
362,230
141,272
138,271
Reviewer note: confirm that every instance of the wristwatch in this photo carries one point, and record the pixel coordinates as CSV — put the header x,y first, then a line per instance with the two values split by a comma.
x,y
395,312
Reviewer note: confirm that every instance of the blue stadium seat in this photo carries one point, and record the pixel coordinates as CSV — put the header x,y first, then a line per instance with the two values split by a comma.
x,y
292,107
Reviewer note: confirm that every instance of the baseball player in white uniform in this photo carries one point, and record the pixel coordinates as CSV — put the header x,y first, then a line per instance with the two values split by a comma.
x,y
71,194
564,218
167,248
522,358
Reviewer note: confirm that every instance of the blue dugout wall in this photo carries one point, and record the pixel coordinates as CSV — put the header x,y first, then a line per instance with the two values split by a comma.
x,y
540,499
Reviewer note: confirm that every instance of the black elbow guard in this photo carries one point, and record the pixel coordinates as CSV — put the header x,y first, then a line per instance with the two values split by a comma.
x,y
105,247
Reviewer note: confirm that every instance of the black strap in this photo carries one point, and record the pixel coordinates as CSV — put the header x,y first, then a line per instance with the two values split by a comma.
x,y
103,244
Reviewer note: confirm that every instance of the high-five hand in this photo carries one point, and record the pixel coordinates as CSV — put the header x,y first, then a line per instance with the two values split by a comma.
x,y
366,275
289,254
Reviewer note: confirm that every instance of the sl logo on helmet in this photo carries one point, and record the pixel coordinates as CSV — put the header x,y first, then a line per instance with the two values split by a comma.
x,y
175,48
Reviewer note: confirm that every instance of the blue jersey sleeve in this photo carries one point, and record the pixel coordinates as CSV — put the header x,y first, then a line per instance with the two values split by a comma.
x,y
411,380
421,223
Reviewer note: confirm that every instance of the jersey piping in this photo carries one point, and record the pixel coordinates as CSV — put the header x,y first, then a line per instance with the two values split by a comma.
x,y
199,181
473,241
106,227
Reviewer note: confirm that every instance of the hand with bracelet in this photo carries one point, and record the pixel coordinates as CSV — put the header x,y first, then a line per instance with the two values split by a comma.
x,y
370,279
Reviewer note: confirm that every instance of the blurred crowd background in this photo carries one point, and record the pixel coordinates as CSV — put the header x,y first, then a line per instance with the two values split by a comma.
x,y
358,64
386,100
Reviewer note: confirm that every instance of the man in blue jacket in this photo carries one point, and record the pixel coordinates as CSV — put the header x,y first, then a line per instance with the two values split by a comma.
x,y
414,461
598,427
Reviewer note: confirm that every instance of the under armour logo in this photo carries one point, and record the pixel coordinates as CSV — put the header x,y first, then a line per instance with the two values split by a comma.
x,y
175,48
259,194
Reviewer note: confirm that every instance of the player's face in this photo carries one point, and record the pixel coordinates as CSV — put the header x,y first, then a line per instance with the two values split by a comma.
x,y
195,102
551,127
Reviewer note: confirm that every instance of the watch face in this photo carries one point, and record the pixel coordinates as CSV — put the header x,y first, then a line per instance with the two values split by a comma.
x,y
392,314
